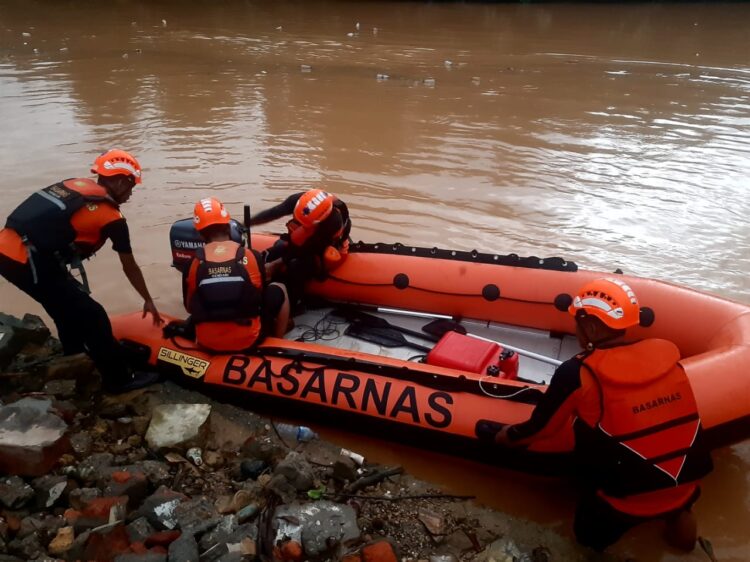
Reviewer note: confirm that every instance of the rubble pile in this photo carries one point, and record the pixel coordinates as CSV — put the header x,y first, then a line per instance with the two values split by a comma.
x,y
166,474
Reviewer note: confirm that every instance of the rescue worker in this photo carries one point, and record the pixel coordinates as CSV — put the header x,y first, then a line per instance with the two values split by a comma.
x,y
636,424
57,227
316,241
224,288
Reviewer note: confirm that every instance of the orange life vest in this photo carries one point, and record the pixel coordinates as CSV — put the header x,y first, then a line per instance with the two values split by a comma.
x,y
224,296
49,220
338,248
648,435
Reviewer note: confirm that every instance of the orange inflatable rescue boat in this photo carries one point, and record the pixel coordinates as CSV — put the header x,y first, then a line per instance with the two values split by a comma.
x,y
377,347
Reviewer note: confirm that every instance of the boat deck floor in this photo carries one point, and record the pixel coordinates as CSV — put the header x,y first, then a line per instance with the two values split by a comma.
x,y
324,327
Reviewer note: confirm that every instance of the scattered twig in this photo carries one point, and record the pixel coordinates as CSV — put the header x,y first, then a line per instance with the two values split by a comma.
x,y
398,498
368,480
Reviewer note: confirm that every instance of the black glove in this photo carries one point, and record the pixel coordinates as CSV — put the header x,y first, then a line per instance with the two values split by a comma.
x,y
179,328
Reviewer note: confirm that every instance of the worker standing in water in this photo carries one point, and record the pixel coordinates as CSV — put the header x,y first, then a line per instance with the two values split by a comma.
x,y
638,434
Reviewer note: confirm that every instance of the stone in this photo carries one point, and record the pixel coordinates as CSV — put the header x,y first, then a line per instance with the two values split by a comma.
x,y
196,515
228,531
280,486
95,467
30,328
139,530
213,459
134,485
80,497
63,388
433,522
252,468
184,549
159,508
81,443
43,525
10,344
178,426
297,471
14,492
52,490
263,448
76,367
27,548
316,525
62,542
345,469
459,541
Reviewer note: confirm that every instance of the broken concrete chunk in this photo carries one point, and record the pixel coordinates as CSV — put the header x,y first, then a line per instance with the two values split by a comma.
x,y
31,439
178,426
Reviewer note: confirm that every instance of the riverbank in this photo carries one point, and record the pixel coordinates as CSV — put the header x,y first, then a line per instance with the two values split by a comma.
x,y
165,473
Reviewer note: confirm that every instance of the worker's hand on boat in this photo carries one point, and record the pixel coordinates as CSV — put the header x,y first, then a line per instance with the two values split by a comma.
x,y
150,308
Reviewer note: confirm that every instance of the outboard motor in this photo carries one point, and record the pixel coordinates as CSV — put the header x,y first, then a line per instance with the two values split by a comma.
x,y
185,239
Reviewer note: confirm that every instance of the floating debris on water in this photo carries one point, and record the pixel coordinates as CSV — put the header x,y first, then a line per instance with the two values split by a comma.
x,y
429,82
382,77
305,68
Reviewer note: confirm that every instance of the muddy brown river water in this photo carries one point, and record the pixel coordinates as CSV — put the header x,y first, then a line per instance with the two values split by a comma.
x,y
612,135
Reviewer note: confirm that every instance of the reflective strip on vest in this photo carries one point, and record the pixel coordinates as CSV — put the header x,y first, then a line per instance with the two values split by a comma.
x,y
52,199
233,279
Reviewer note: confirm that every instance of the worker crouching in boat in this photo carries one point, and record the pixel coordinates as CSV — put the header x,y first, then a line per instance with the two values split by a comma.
x,y
225,290
637,429
316,241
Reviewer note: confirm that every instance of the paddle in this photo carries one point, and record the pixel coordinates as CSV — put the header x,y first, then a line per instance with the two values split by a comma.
x,y
440,326
370,321
387,337
437,328
246,224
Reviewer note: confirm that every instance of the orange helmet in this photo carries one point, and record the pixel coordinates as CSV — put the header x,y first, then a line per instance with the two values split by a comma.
x,y
114,162
208,212
313,207
610,300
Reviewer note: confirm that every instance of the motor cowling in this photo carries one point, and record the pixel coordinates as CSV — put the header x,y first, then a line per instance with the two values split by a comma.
x,y
184,240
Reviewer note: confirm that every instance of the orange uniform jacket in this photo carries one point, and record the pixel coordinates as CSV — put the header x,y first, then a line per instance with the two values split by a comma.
x,y
92,224
223,293
636,423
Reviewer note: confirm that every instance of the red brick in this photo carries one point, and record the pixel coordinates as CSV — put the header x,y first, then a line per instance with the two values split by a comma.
x,y
98,508
381,551
121,476
162,538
